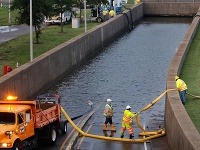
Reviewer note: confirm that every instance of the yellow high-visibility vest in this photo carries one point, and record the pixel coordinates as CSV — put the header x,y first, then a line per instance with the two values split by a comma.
x,y
108,111
181,85
128,117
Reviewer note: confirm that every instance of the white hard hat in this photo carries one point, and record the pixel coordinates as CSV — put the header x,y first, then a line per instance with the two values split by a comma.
x,y
109,100
128,107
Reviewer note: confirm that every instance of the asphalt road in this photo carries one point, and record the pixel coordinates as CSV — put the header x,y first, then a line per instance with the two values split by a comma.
x,y
10,32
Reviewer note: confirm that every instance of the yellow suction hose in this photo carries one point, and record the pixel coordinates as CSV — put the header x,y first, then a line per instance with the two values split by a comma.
x,y
156,100
193,95
107,138
150,135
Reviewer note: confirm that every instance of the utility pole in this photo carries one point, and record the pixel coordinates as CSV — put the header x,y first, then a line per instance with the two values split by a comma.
x,y
9,19
85,16
31,32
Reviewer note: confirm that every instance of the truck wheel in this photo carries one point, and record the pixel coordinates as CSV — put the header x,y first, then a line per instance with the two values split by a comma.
x,y
99,19
53,135
64,131
17,145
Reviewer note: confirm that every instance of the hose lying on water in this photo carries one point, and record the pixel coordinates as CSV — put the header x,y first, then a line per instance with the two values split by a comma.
x,y
150,135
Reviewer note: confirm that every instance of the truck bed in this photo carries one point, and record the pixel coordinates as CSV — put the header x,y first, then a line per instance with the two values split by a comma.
x,y
46,113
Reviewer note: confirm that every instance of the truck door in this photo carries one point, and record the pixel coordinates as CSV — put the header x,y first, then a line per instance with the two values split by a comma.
x,y
21,126
29,123
25,124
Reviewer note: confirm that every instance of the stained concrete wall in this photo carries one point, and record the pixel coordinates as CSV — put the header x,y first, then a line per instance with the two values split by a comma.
x,y
31,78
181,132
171,9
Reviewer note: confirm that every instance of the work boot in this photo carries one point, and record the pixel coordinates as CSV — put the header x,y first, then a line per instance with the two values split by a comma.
x,y
104,127
112,128
131,136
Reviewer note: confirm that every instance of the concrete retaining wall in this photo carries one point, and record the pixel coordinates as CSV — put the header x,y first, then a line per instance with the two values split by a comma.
x,y
170,9
181,132
31,78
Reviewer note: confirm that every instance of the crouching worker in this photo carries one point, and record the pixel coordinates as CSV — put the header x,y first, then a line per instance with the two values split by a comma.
x,y
127,122
108,113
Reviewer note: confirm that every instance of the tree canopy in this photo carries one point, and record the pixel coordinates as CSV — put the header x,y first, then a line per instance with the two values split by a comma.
x,y
40,8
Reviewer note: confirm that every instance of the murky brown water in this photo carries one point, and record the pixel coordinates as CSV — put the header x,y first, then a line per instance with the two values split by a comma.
x,y
130,71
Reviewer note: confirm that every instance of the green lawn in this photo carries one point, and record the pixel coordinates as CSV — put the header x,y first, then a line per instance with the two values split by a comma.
x,y
4,16
191,74
17,50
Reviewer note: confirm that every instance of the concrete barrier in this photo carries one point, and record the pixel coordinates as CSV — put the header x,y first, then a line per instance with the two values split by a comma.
x,y
170,9
181,132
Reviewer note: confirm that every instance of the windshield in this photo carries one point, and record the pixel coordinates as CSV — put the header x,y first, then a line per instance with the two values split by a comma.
x,y
7,118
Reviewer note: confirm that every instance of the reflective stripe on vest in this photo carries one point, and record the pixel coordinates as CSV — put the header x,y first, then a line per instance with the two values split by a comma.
x,y
108,111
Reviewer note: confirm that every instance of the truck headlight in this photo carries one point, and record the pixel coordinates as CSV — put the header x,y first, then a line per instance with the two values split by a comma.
x,y
5,145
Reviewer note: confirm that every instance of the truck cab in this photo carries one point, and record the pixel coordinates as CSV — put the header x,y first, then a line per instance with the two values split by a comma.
x,y
23,122
16,123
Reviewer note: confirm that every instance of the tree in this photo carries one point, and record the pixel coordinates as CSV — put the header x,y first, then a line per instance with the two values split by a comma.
x,y
40,8
59,7
96,2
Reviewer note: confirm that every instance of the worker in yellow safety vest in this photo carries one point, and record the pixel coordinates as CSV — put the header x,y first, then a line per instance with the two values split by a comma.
x,y
127,122
105,14
108,113
137,1
111,13
181,87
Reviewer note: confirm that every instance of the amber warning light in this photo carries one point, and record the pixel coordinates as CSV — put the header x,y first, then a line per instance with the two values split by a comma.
x,y
12,98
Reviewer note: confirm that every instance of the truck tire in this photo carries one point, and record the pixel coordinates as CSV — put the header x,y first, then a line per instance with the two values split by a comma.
x,y
64,131
99,19
17,145
53,135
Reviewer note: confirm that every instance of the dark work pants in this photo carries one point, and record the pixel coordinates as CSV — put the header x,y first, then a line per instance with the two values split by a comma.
x,y
108,120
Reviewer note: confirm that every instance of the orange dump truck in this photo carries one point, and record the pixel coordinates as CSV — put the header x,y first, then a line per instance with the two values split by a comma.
x,y
24,122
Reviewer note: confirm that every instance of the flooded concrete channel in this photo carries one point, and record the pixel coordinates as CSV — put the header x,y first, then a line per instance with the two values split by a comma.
x,y
130,71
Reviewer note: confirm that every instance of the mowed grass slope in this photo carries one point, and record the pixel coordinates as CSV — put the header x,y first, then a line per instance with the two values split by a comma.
x,y
4,16
191,74
18,50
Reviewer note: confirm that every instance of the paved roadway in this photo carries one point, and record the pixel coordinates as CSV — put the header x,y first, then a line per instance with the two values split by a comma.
x,y
90,124
10,32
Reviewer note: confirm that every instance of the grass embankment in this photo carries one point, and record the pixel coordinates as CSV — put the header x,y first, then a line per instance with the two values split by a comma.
x,y
191,74
4,16
17,50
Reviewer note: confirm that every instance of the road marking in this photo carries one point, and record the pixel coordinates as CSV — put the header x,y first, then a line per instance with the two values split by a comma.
x,y
145,144
72,132
81,141
4,29
75,136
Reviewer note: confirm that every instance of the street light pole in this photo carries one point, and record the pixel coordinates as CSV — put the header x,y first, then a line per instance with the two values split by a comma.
x,y
85,16
9,20
31,32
